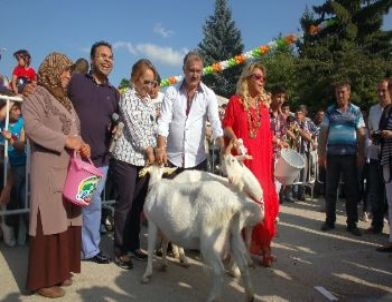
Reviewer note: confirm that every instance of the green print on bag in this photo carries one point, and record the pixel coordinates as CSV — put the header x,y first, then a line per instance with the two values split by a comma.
x,y
87,188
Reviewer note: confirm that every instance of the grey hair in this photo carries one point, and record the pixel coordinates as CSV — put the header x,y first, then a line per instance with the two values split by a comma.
x,y
193,54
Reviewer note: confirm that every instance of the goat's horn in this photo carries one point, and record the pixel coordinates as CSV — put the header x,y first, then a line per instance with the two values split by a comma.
x,y
168,170
144,171
244,157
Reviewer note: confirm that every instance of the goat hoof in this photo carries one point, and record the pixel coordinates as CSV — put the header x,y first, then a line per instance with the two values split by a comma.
x,y
145,279
250,299
162,268
234,273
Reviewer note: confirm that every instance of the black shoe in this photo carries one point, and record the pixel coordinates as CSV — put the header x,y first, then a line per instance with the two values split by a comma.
x,y
139,255
373,230
301,197
327,227
124,262
99,258
289,199
354,230
385,248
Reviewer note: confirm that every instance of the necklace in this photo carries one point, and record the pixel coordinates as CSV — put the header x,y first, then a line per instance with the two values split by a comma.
x,y
254,119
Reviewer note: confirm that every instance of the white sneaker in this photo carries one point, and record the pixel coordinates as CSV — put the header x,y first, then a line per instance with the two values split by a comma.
x,y
8,235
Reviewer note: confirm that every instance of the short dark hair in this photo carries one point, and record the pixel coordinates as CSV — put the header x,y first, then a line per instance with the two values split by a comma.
x,y
24,54
286,104
98,44
278,90
303,108
342,83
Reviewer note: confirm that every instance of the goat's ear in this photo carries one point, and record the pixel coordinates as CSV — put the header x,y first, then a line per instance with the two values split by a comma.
x,y
144,171
169,171
244,157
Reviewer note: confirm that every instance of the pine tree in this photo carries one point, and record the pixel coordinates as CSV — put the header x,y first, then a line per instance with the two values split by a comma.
x,y
354,48
222,40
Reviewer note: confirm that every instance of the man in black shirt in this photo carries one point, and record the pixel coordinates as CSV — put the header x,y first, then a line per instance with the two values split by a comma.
x,y
95,100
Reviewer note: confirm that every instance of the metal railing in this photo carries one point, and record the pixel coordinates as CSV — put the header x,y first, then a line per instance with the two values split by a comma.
x,y
4,211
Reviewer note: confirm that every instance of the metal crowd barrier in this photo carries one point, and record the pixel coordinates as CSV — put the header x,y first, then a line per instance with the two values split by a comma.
x,y
3,210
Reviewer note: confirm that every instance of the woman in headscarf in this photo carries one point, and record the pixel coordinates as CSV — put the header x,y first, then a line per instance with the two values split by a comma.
x,y
53,129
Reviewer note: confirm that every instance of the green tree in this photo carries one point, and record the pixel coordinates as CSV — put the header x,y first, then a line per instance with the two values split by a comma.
x,y
353,48
280,67
123,84
222,40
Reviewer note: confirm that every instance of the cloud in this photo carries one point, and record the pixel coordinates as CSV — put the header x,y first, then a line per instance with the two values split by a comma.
x,y
164,55
163,32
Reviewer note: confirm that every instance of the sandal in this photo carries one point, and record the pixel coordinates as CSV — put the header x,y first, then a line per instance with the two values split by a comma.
x,y
267,260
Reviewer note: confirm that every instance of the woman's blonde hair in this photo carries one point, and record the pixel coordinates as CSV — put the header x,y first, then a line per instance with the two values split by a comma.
x,y
243,89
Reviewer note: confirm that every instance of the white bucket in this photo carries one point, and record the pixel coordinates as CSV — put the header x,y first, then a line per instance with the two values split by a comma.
x,y
288,166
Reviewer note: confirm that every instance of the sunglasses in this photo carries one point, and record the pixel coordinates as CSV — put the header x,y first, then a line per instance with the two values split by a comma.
x,y
257,77
152,83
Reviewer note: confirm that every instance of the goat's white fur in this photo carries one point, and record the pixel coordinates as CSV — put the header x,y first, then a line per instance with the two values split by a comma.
x,y
205,215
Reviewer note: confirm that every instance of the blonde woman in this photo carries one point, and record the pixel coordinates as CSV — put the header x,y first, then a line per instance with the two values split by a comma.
x,y
247,117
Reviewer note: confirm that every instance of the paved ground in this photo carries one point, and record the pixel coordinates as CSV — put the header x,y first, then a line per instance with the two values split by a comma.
x,y
347,266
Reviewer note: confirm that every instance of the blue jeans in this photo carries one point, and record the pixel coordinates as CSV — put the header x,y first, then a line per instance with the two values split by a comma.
x,y
91,236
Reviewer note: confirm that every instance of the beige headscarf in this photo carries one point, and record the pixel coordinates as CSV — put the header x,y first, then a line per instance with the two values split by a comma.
x,y
49,76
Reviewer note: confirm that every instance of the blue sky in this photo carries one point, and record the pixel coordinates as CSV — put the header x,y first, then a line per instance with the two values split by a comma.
x,y
159,30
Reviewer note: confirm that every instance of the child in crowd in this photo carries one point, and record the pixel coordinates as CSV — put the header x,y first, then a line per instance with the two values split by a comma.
x,y
23,73
15,135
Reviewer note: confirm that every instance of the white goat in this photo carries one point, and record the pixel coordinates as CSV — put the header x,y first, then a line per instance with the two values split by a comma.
x,y
238,175
205,215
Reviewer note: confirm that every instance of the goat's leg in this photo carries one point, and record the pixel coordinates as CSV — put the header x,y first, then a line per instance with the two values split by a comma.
x,y
174,249
183,258
165,243
233,269
152,237
248,236
241,255
211,248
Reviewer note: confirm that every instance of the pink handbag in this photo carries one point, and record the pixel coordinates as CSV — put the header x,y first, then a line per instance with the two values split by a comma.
x,y
81,182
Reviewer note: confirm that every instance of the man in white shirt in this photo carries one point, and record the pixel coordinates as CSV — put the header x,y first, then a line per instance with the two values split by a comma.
x,y
184,111
376,188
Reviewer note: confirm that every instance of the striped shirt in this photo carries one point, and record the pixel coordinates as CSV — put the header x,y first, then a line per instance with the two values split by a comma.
x,y
342,129
139,117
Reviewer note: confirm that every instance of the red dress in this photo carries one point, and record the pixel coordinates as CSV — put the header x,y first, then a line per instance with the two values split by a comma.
x,y
260,147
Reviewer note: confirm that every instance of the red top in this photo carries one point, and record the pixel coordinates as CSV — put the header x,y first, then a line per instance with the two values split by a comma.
x,y
26,72
257,121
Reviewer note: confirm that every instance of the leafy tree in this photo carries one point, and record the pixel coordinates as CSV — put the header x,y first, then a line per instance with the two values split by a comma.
x,y
123,84
222,40
354,48
281,71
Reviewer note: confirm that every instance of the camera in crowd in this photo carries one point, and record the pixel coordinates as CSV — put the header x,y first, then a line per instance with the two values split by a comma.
x,y
376,137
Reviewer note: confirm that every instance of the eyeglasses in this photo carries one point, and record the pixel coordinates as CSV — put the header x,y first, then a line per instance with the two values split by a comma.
x,y
152,83
257,77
